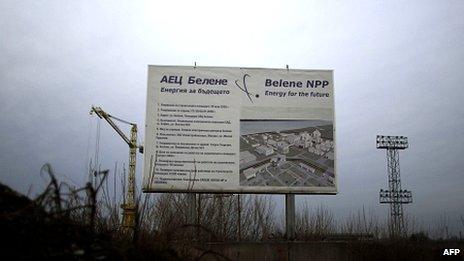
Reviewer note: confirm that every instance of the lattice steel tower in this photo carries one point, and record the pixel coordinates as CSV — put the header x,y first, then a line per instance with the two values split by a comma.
x,y
395,196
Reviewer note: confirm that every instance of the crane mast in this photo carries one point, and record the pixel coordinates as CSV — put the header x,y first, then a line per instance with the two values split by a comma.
x,y
128,207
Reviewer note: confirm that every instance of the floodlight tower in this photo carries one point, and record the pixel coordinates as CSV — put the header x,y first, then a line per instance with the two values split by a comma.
x,y
395,196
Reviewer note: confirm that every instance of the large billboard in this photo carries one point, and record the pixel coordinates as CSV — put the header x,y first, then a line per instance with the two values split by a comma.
x,y
239,130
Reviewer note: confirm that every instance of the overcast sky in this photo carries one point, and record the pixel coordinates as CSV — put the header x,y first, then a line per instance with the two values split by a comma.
x,y
397,67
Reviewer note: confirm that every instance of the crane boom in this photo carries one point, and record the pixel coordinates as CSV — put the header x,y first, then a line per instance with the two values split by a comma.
x,y
129,208
103,115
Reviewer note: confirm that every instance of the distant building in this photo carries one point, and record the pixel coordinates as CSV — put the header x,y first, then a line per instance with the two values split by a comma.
x,y
303,144
305,136
324,146
329,177
317,136
283,147
271,142
329,155
291,138
246,157
331,143
261,167
306,167
249,173
279,160
264,150
315,150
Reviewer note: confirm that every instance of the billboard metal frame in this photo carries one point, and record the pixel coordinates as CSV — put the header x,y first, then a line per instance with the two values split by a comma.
x,y
253,190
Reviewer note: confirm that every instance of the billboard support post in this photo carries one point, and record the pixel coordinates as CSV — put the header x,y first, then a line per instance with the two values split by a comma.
x,y
199,213
290,216
191,208
239,218
289,210
221,217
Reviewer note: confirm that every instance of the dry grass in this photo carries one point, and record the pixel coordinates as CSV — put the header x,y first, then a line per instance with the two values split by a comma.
x,y
177,226
209,217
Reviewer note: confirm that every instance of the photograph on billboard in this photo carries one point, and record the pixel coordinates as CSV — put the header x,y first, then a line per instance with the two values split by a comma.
x,y
239,130
286,153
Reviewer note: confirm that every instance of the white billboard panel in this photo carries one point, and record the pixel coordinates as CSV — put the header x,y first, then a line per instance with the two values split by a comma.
x,y
239,130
